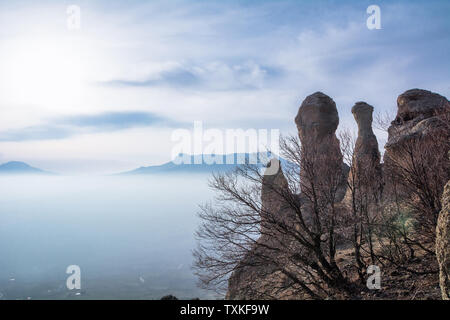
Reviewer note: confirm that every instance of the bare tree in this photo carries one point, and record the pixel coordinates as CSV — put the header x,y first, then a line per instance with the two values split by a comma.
x,y
419,173
265,235
283,232
364,189
416,172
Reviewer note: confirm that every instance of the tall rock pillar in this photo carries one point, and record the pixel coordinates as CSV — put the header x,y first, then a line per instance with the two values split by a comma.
x,y
317,121
366,155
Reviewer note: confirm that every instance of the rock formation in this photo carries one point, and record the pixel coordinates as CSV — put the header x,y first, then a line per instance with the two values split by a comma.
x,y
366,155
443,243
253,277
418,135
366,147
421,131
274,192
419,115
422,116
317,121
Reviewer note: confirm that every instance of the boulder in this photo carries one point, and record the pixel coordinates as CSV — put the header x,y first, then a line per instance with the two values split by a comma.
x,y
420,114
419,133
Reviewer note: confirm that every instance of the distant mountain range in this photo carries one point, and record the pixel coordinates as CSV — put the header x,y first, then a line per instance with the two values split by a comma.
x,y
184,163
17,167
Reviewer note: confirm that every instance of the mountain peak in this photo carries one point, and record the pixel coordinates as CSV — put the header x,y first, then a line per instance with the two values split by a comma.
x,y
19,167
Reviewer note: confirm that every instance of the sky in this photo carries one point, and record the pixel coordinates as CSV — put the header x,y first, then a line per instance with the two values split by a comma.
x,y
107,96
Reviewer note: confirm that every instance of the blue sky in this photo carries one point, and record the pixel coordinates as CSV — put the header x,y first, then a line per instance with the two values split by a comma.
x,y
106,98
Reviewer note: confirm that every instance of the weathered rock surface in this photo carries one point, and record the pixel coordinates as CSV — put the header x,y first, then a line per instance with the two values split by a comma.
x,y
418,104
419,114
443,243
274,197
366,148
317,120
422,121
422,126
254,276
366,164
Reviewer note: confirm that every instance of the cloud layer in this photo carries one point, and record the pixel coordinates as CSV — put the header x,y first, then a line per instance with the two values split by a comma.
x,y
61,128
146,67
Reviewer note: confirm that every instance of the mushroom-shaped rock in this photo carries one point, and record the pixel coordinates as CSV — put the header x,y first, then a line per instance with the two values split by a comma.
x,y
365,175
366,156
317,121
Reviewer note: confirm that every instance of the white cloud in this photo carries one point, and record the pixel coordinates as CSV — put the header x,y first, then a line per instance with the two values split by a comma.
x,y
226,64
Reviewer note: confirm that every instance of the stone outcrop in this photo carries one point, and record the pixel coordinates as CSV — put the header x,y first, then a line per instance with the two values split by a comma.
x,y
422,115
418,104
366,164
274,192
419,115
366,148
317,120
421,127
443,243
254,276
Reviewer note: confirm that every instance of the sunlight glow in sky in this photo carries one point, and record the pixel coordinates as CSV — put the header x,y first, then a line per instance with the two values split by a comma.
x,y
107,97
